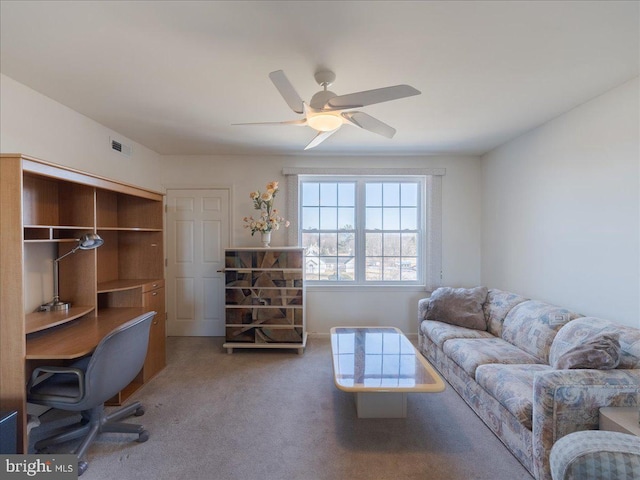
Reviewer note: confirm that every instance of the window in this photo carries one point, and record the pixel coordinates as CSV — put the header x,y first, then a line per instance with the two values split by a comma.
x,y
362,230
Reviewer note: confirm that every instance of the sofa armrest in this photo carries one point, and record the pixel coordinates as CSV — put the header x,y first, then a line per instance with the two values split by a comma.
x,y
566,401
423,304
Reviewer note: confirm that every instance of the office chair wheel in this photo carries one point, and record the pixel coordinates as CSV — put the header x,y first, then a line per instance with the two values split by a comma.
x,y
139,411
143,437
82,467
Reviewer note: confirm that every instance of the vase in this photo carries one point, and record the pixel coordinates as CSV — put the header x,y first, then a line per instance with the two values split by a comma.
x,y
266,238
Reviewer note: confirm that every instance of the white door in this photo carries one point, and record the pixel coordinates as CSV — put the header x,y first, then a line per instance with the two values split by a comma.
x,y
197,234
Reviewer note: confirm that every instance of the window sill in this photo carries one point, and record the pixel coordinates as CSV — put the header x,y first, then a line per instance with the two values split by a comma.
x,y
366,288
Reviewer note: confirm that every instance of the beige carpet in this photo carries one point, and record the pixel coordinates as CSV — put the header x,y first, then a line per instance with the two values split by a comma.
x,y
271,415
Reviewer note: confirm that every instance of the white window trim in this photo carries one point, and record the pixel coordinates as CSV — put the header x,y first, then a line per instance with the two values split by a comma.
x,y
433,212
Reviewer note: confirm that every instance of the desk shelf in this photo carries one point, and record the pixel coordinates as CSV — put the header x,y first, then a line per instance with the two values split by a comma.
x,y
55,233
127,284
37,321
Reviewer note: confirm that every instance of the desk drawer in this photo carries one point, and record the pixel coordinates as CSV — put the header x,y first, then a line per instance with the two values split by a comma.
x,y
147,287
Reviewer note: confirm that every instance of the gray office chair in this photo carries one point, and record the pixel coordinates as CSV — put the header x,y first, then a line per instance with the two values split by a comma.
x,y
85,385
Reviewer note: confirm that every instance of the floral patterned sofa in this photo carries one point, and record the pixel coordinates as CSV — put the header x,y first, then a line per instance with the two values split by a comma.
x,y
533,372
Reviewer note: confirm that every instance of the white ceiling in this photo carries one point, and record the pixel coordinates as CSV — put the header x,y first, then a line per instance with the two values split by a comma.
x,y
174,76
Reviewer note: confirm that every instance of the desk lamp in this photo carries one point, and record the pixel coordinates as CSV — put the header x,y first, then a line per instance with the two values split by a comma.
x,y
88,241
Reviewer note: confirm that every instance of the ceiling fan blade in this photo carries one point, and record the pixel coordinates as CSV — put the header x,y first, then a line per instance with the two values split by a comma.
x,y
370,123
300,123
321,137
369,97
287,91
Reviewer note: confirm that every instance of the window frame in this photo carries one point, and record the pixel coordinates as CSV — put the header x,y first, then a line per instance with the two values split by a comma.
x,y
360,230
433,273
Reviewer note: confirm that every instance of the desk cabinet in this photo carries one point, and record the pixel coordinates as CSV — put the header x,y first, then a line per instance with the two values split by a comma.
x,y
46,208
153,298
265,298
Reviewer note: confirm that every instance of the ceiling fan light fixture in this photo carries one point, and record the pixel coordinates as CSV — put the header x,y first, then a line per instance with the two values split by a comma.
x,y
324,122
325,113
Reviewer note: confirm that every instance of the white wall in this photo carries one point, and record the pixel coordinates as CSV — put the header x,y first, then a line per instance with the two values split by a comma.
x,y
35,125
561,210
332,306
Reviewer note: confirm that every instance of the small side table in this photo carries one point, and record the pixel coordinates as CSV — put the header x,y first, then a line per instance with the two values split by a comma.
x,y
620,419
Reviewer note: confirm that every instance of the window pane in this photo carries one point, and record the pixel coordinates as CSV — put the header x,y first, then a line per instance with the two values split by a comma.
x,y
374,195
310,194
409,218
410,244
373,269
346,218
310,218
311,241
391,218
328,218
373,246
374,219
311,269
328,194
346,271
391,244
391,194
328,244
347,194
409,194
391,269
346,244
409,268
328,270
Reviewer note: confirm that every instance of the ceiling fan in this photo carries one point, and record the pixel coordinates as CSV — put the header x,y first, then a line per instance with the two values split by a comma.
x,y
326,112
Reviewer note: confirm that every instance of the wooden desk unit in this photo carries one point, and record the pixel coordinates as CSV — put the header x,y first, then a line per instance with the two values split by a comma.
x,y
50,206
79,337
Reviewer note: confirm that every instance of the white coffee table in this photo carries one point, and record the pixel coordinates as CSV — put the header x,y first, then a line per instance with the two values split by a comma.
x,y
380,365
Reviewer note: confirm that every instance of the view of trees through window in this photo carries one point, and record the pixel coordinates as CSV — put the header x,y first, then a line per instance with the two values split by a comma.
x,y
361,230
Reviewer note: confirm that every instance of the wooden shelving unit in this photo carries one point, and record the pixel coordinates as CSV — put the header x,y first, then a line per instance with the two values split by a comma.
x,y
44,203
265,298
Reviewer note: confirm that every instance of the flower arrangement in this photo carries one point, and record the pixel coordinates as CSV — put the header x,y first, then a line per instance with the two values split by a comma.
x,y
269,218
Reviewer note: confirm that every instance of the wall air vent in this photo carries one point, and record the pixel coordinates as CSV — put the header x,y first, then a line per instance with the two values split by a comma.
x,y
121,148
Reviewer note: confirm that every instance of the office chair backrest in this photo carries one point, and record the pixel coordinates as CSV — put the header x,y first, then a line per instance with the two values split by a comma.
x,y
117,359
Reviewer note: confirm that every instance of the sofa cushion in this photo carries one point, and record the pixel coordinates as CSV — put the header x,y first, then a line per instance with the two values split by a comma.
x,y
439,332
512,386
532,326
587,343
601,352
498,304
469,353
458,306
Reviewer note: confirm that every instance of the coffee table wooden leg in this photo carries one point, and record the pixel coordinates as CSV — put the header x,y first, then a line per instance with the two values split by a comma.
x,y
381,404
